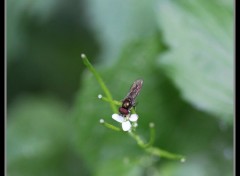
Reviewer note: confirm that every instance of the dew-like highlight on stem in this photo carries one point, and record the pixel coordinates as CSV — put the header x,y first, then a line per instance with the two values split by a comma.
x,y
101,121
182,160
83,55
151,125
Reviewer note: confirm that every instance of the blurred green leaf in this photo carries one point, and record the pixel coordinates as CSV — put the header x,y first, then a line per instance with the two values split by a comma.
x,y
199,35
119,167
16,10
117,23
38,138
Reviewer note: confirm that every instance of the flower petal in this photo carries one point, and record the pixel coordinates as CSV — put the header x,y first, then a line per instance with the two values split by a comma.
x,y
126,126
133,118
118,118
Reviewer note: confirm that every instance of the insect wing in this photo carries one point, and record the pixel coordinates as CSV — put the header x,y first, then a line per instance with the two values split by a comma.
x,y
135,89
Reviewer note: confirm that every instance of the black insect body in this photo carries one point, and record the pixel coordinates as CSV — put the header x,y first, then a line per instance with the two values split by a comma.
x,y
129,100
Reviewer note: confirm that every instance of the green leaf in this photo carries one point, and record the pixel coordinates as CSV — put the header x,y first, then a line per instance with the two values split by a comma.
x,y
38,138
123,166
118,23
16,10
199,35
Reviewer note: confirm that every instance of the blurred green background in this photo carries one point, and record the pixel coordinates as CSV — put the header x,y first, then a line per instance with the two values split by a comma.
x,y
183,50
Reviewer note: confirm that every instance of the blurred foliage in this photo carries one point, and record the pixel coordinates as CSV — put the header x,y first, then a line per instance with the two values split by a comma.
x,y
47,59
38,140
204,43
183,50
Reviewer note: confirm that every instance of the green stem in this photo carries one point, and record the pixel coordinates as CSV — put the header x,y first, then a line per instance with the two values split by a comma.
x,y
154,150
108,125
100,81
165,154
133,111
152,135
111,101
138,139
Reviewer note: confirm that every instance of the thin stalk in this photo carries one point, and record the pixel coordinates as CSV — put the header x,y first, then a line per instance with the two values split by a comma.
x,y
165,154
110,126
154,150
118,103
100,81
152,135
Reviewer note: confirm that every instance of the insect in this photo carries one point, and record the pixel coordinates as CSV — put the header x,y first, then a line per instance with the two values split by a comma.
x,y
129,101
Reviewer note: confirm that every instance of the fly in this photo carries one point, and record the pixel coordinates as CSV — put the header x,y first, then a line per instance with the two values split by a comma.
x,y
129,101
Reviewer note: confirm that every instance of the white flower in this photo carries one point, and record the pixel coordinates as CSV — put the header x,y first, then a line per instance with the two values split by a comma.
x,y
126,124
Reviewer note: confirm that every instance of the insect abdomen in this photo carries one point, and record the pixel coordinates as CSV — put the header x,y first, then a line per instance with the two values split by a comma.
x,y
123,111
